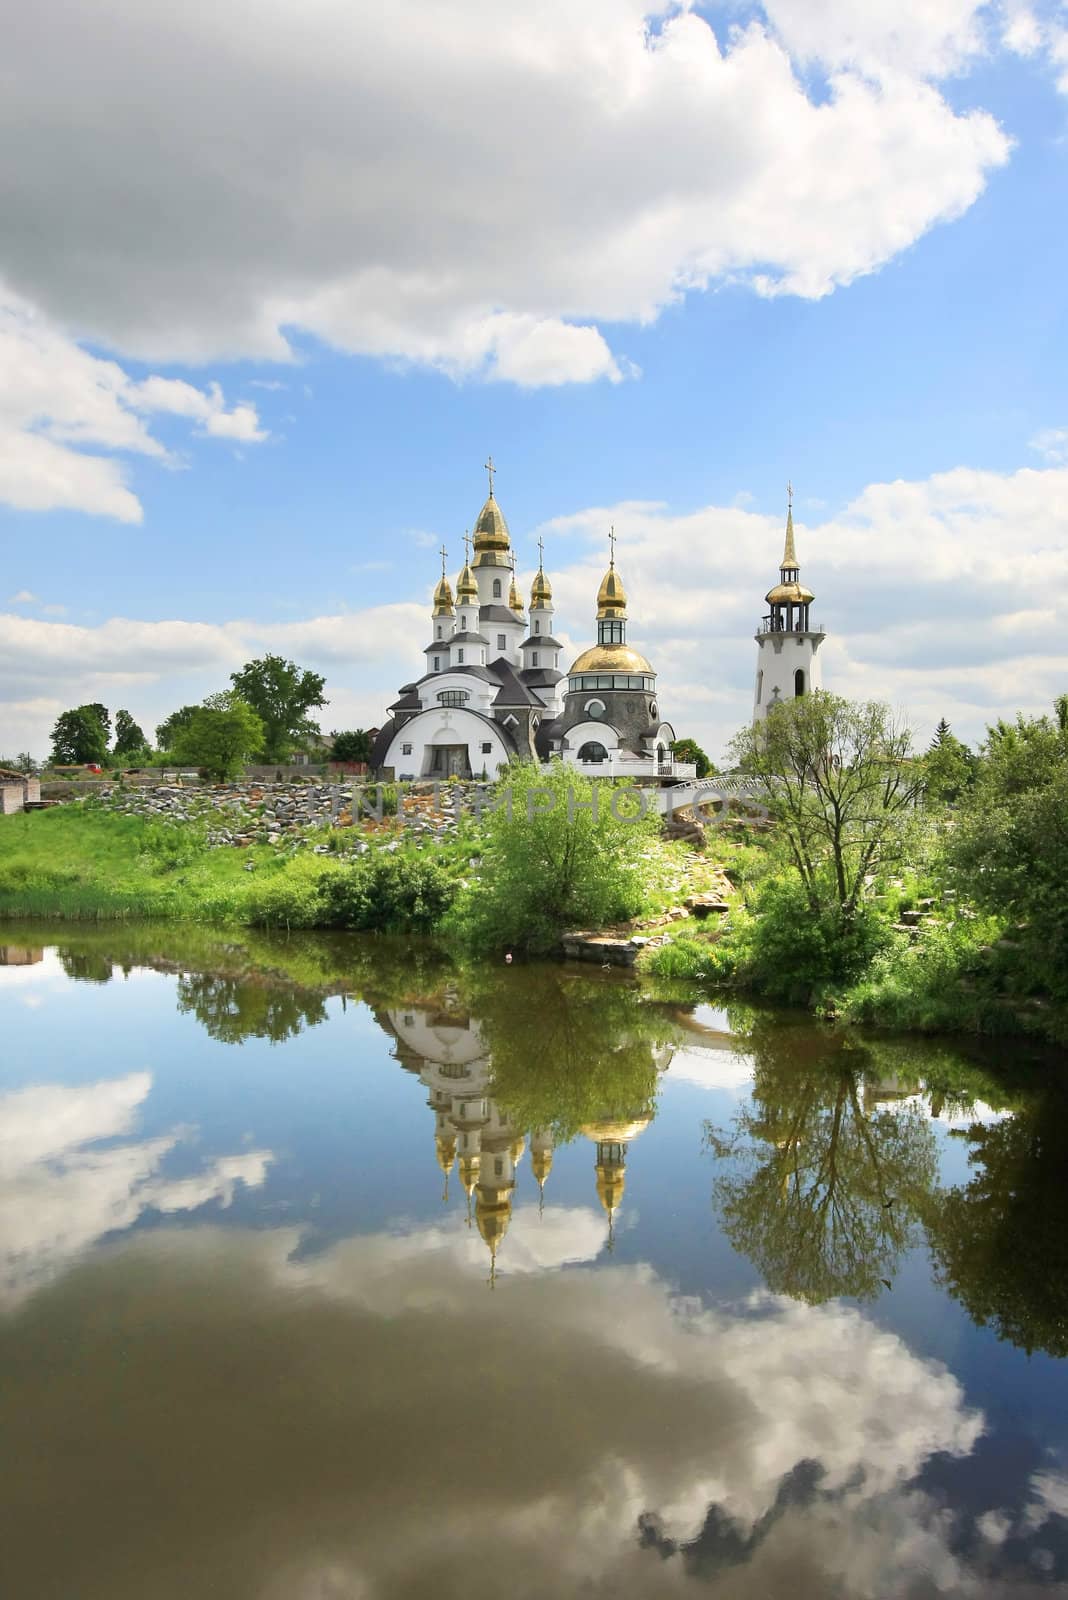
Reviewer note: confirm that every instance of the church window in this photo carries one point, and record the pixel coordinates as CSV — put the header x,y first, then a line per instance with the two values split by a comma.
x,y
799,681
610,633
652,708
533,658
594,708
496,588
460,656
487,748
406,749
439,630
592,751
760,687
453,697
502,641
498,1167
437,663
537,625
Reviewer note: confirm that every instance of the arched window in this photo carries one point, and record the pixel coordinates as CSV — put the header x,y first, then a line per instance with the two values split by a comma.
x,y
592,751
594,708
496,588
799,681
760,687
452,697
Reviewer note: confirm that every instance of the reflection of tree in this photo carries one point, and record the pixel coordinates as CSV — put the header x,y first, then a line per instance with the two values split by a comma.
x,y
824,1185
567,1048
232,1009
87,966
1000,1242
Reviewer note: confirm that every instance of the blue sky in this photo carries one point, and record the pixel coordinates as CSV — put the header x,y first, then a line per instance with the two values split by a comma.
x,y
272,287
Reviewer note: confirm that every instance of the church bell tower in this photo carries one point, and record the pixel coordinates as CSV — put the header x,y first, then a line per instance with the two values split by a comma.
x,y
788,663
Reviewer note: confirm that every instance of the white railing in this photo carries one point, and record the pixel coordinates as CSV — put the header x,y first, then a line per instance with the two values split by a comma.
x,y
649,767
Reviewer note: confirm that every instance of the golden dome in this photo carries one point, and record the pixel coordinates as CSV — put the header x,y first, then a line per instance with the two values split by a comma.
x,y
611,1181
541,594
443,598
611,596
608,1132
445,1144
785,594
466,587
611,658
493,1212
470,1167
541,1164
517,1149
491,530
515,599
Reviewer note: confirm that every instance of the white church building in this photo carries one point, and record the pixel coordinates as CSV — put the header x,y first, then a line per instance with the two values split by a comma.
x,y
493,687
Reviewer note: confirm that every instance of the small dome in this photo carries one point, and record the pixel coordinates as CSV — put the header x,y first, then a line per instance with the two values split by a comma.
x,y
541,594
608,1132
611,658
470,1167
541,1163
611,596
786,594
466,587
491,530
443,598
445,1145
515,599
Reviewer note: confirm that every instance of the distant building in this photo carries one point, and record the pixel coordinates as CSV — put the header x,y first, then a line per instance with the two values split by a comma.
x,y
15,790
788,663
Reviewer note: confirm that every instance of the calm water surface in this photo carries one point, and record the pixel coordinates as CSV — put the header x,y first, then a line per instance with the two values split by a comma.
x,y
332,1271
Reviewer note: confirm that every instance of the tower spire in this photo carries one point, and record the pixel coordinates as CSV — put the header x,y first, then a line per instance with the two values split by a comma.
x,y
789,555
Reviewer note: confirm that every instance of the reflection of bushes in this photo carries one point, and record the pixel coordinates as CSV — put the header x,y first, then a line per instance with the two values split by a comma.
x,y
232,1009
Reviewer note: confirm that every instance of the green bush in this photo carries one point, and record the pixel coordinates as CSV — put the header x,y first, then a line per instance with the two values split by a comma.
x,y
396,890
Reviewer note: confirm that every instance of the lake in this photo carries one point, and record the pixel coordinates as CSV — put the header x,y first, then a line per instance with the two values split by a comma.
x,y
333,1270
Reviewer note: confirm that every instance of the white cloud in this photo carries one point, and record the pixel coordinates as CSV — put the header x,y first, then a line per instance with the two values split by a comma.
x,y
457,184
60,1193
1052,445
23,598
58,403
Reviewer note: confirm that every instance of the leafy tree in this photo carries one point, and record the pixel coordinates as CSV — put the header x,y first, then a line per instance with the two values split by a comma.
x,y
281,695
79,737
690,750
549,864
128,736
821,1187
1000,1242
949,767
23,762
224,734
168,730
103,716
1010,850
839,782
352,746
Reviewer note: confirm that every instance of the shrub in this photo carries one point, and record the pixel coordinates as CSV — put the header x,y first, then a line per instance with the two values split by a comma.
x,y
387,889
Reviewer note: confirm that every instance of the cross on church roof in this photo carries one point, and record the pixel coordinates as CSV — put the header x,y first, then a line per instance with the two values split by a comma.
x,y
491,469
541,553
790,495
444,554
467,546
612,542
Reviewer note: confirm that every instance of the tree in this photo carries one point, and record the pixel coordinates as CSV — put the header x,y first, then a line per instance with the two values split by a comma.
x,y
281,695
949,767
80,738
1010,849
234,1009
23,762
220,738
352,746
128,735
169,729
549,864
839,782
690,750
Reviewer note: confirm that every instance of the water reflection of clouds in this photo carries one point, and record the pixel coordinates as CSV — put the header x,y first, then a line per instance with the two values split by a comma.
x,y
65,1183
394,1428
725,1072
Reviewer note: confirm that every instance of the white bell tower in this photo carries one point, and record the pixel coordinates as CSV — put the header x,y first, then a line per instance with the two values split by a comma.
x,y
788,645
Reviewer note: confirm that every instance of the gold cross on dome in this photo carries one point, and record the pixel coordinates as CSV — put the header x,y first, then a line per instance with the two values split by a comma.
x,y
612,542
790,495
491,469
444,555
467,547
541,554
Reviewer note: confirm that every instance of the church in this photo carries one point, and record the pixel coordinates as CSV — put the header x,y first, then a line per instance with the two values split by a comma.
x,y
493,688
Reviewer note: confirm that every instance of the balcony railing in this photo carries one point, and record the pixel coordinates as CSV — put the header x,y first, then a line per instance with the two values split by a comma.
x,y
765,626
649,767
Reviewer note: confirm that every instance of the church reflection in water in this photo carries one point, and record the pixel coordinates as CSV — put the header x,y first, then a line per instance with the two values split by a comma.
x,y
479,1138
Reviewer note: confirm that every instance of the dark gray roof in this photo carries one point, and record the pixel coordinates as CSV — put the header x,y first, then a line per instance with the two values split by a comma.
x,y
513,691
466,638
540,677
484,673
497,614
543,738
382,743
408,702
542,638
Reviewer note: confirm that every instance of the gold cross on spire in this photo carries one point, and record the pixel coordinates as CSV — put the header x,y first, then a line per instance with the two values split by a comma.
x,y
541,554
790,495
467,547
491,469
444,554
612,542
